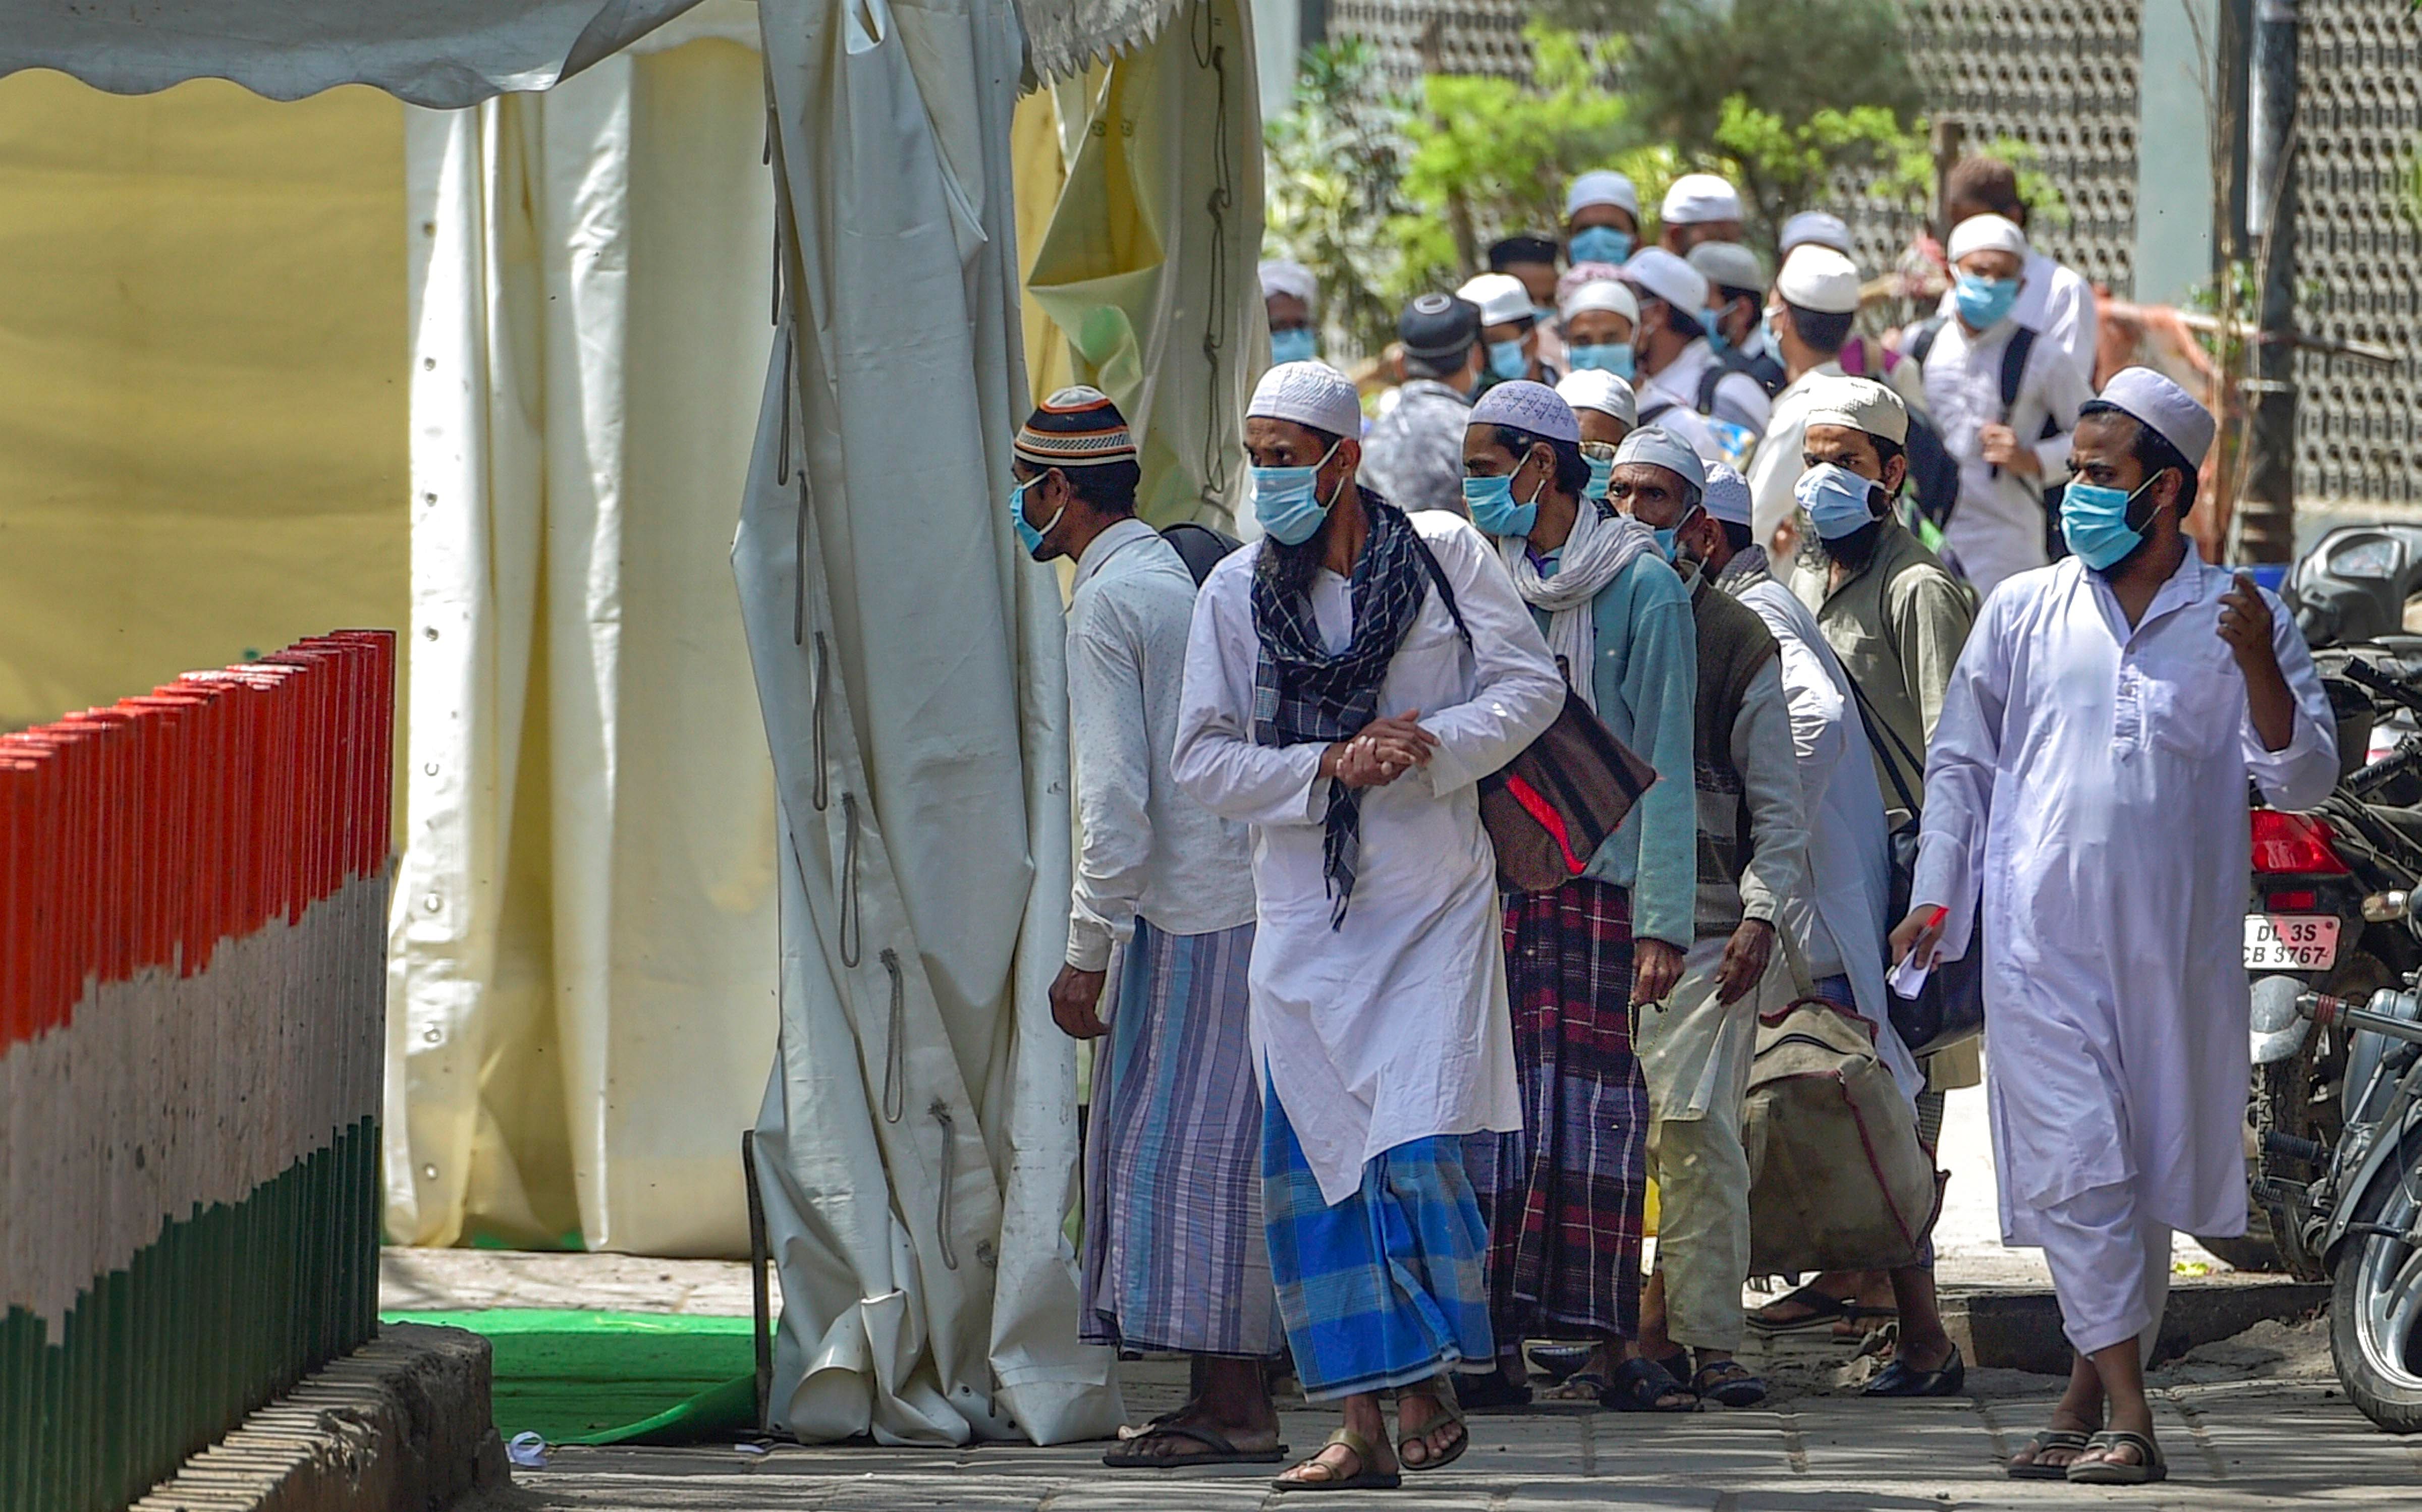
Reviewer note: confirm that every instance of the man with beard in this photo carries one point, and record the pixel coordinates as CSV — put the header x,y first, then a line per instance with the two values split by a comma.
x,y
2089,775
1336,703
1897,619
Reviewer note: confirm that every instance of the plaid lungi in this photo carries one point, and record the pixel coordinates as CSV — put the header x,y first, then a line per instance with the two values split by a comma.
x,y
1174,1257
1563,1196
1386,1288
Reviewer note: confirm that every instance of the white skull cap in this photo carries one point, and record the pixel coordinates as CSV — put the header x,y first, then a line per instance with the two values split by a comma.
x,y
1611,294
1308,393
1697,198
1663,276
1527,406
1601,186
1860,404
1815,227
1819,278
2163,407
1663,449
1281,276
1593,388
1502,298
1726,496
1727,266
1986,233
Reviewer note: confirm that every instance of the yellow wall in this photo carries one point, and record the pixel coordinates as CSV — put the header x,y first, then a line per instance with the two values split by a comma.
x,y
202,395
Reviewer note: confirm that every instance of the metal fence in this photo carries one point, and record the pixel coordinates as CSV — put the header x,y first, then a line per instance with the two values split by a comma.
x,y
192,990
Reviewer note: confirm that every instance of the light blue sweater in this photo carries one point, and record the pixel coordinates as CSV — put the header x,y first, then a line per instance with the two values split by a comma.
x,y
1647,677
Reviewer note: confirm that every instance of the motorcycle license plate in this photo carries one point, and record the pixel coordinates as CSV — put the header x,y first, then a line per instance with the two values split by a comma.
x,y
2290,942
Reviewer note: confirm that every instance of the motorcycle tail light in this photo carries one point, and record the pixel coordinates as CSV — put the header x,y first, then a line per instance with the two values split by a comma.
x,y
2292,902
2294,843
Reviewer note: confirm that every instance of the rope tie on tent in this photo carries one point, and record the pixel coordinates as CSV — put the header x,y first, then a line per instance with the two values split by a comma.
x,y
853,921
895,1043
821,792
1209,53
942,1205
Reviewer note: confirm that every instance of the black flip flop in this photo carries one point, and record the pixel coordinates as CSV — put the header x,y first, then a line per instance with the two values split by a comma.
x,y
1636,1386
2105,1472
2046,1439
1728,1383
1824,1312
1128,1455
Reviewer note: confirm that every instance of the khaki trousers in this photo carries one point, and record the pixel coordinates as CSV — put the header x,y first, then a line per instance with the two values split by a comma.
x,y
1700,1168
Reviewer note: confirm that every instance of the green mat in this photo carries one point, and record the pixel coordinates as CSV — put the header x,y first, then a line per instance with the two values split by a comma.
x,y
614,1377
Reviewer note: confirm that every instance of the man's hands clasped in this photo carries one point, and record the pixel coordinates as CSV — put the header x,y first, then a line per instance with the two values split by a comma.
x,y
1384,751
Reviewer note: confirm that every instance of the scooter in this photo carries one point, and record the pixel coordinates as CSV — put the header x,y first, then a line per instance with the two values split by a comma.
x,y
2362,1217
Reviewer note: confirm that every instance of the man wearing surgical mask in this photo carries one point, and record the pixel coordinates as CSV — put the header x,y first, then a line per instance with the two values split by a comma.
x,y
1564,1214
1697,1052
1601,218
1599,313
1509,331
2008,438
1292,297
1336,704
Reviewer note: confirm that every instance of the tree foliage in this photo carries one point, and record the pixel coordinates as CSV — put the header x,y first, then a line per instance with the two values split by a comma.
x,y
1334,186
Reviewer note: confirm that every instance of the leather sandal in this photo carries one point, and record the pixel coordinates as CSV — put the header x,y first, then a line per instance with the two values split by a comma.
x,y
1364,1479
1901,1379
2109,1471
2032,1467
1448,1412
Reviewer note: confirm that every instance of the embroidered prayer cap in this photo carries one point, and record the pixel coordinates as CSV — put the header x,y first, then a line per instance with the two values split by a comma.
x,y
1283,276
1660,275
1818,278
1501,296
1605,291
1814,227
1601,186
1308,393
1074,428
1439,327
2163,408
1522,246
1697,198
1727,266
1593,389
1726,496
1860,404
1529,407
1662,448
1986,233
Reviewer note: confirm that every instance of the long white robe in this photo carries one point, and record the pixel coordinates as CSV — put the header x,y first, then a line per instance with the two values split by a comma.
x,y
1393,1027
2093,779
1849,850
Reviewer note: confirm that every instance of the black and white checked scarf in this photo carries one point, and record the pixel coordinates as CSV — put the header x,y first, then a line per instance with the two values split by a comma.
x,y
1304,695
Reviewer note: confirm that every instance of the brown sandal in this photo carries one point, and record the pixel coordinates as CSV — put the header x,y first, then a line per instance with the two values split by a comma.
x,y
1364,1479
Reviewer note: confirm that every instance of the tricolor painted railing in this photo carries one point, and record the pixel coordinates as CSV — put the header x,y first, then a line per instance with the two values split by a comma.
x,y
193,893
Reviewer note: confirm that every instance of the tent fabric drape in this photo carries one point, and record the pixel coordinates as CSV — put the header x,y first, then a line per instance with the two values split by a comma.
x,y
443,54
583,941
917,1138
1149,266
1063,37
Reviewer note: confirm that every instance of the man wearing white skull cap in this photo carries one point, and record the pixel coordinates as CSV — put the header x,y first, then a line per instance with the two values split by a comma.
x,y
2055,300
1602,217
1333,703
1816,303
2090,777
1677,371
1699,207
2003,401
1291,295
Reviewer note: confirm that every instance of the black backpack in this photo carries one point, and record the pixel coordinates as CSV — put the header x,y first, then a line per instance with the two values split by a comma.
x,y
1762,370
1935,501
1199,547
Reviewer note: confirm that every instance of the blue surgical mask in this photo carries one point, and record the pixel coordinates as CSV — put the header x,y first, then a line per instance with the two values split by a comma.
x,y
1984,303
1286,502
1601,470
1608,356
1718,342
1664,535
1299,345
1544,314
1835,499
1506,361
1599,243
1027,534
1491,501
2094,522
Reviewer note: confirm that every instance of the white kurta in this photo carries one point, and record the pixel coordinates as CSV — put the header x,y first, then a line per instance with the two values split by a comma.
x,y
1840,916
2092,778
1393,1027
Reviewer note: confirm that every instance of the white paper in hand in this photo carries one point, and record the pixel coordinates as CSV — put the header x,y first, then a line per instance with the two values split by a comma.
x,y
1909,978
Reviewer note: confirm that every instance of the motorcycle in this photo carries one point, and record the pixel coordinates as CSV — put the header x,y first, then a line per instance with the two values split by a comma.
x,y
2363,1216
2306,930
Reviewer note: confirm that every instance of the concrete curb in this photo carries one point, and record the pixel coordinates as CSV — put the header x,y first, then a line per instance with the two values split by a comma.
x,y
400,1425
2021,1330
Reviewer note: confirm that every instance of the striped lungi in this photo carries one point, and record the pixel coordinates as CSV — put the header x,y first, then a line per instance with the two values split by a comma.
x,y
1563,1196
1174,1257
1387,1287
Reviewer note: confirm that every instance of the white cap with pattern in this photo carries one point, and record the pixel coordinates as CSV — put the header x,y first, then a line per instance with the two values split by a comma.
x,y
1308,393
2152,401
1726,496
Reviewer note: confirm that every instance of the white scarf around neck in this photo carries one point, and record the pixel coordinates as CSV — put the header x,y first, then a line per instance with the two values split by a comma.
x,y
1602,544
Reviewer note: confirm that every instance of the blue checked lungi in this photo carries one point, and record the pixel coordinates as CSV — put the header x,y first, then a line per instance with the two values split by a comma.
x,y
1174,1257
1387,1287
